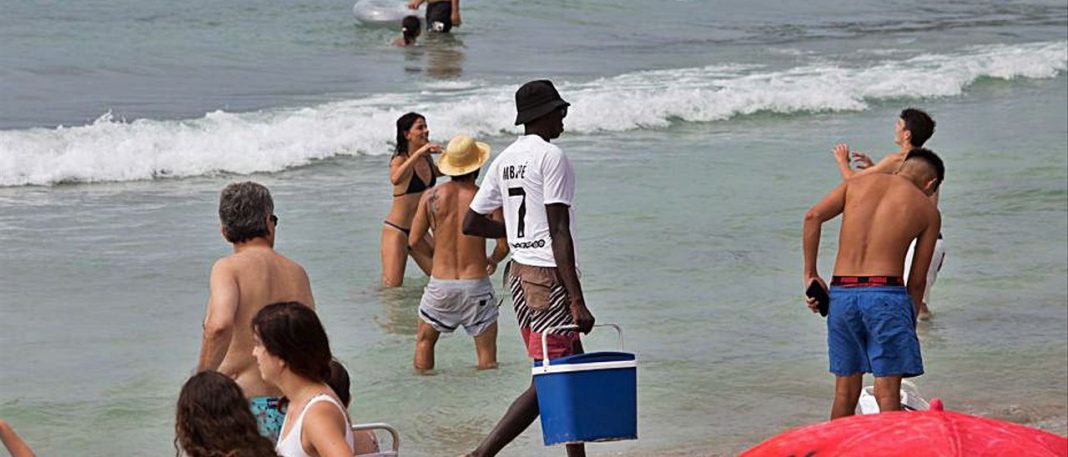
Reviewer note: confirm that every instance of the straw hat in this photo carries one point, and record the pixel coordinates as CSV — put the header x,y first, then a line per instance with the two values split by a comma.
x,y
463,155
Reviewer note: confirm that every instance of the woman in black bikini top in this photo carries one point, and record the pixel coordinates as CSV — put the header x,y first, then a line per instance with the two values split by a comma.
x,y
411,171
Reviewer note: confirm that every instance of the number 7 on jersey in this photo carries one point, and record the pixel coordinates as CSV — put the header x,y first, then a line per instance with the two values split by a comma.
x,y
519,192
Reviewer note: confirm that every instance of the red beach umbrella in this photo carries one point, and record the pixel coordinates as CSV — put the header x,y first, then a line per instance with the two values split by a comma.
x,y
907,433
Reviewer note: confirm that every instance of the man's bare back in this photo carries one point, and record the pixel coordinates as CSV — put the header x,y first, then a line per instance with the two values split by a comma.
x,y
456,256
241,285
882,215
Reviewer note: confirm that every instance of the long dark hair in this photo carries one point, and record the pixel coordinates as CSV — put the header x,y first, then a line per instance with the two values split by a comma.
x,y
410,28
292,332
340,382
213,419
404,124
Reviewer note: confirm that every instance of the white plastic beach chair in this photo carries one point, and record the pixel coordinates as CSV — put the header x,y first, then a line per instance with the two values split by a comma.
x,y
375,426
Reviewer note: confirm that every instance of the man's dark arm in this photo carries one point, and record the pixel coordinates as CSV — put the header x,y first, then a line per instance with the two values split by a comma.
x,y
564,253
481,225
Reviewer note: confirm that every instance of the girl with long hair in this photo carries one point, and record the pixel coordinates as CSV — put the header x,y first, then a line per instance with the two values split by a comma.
x,y
213,420
293,353
411,171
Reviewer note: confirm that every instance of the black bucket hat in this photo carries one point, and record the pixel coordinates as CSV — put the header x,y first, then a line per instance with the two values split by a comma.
x,y
536,99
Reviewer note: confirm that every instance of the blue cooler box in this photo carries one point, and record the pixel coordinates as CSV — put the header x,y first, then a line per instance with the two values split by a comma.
x,y
588,397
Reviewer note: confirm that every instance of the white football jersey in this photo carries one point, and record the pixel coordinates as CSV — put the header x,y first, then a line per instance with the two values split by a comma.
x,y
526,176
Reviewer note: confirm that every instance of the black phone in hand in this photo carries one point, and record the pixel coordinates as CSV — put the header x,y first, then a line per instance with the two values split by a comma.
x,y
823,301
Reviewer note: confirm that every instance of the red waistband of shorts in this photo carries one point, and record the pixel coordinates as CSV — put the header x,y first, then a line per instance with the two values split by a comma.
x,y
867,281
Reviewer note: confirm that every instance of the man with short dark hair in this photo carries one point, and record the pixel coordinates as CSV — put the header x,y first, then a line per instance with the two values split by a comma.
x,y
242,283
533,181
459,293
872,316
914,127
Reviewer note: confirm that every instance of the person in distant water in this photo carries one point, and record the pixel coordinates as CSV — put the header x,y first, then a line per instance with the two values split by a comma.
x,y
459,292
243,283
872,317
339,382
914,127
441,15
293,353
14,445
213,419
410,30
411,171
534,182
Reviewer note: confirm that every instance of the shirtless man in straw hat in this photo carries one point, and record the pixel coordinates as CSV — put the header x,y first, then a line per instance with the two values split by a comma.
x,y
871,321
459,292
242,283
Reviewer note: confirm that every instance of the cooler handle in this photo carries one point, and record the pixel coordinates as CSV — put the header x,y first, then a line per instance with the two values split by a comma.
x,y
545,342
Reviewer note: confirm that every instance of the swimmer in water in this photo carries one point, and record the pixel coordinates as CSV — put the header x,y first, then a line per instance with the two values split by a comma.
x,y
410,29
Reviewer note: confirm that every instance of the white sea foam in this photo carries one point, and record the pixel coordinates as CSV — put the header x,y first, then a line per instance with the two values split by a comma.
x,y
111,150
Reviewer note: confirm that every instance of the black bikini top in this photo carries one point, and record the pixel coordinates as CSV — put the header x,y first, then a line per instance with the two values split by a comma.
x,y
416,184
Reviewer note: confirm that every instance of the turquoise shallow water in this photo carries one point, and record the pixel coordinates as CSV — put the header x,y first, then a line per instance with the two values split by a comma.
x,y
692,183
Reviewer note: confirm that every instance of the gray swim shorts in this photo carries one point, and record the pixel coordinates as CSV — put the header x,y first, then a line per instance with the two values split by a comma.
x,y
451,303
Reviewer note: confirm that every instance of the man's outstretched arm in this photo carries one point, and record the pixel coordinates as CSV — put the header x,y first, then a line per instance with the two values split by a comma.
x,y
13,443
219,322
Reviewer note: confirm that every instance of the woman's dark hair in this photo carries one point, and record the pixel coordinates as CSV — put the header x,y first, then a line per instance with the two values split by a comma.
x,y
410,28
340,382
404,124
292,332
213,419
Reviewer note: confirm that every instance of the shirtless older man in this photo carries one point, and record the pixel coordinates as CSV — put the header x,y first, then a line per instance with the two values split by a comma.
x,y
872,317
459,292
243,283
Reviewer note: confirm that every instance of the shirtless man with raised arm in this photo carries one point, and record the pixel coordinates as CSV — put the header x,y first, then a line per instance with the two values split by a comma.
x,y
242,283
459,292
914,127
871,324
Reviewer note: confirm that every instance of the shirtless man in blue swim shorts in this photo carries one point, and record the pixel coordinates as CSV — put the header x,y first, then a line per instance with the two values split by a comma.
x,y
254,276
871,323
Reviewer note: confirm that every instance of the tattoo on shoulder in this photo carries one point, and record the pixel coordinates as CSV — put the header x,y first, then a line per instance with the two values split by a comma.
x,y
431,203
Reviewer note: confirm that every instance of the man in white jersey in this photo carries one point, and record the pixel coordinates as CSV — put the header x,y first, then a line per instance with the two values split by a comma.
x,y
534,183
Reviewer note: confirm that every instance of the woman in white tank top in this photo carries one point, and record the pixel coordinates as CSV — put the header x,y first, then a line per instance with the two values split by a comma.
x,y
293,353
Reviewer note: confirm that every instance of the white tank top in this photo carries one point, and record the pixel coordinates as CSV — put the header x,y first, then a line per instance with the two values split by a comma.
x,y
289,445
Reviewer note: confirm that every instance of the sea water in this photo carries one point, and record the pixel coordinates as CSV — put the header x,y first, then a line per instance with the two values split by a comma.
x,y
700,132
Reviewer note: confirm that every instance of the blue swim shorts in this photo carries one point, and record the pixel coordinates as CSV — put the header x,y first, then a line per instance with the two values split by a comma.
x,y
269,417
873,330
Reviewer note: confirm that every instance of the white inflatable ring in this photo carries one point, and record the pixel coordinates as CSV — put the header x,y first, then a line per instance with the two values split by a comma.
x,y
382,11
